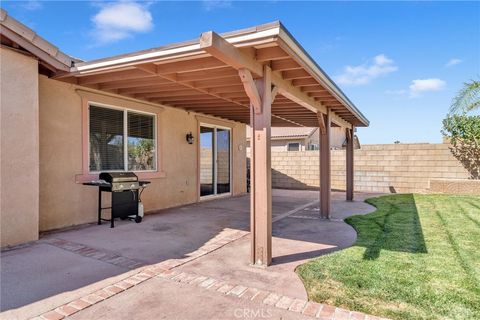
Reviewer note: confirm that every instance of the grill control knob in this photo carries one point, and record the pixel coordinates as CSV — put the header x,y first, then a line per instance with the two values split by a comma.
x,y
120,186
132,186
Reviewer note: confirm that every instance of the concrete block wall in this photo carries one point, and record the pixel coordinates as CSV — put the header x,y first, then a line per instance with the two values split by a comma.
x,y
206,166
378,168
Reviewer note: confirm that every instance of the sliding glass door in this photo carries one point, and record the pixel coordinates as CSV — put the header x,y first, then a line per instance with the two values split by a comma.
x,y
215,171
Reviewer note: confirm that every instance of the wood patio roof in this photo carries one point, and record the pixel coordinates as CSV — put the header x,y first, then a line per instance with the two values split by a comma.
x,y
203,76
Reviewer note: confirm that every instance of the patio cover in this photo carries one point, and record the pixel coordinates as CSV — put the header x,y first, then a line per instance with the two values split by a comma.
x,y
202,76
259,76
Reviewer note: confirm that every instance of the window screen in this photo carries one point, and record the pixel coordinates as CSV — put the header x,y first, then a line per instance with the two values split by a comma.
x,y
141,142
106,139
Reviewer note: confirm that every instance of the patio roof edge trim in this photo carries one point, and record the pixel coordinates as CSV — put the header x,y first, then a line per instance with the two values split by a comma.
x,y
178,48
269,32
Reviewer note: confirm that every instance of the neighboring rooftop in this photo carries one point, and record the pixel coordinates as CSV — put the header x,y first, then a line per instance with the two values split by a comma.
x,y
289,132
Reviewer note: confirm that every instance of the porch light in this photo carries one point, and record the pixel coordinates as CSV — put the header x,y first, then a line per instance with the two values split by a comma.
x,y
189,138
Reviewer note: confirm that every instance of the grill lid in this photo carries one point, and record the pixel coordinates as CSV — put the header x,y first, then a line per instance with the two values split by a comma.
x,y
114,177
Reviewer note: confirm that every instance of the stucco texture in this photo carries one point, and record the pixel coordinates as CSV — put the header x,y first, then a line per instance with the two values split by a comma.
x,y
19,159
65,202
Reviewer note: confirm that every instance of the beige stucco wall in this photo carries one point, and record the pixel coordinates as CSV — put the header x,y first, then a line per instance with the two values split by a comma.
x,y
19,168
63,202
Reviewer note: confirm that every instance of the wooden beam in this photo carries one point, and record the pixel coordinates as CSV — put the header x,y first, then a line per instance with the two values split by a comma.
x,y
322,94
284,64
189,65
193,104
168,93
250,89
221,49
229,54
190,99
314,88
123,84
168,87
350,133
148,68
261,180
233,95
227,89
274,93
295,74
113,76
304,82
270,53
206,74
325,179
221,82
191,85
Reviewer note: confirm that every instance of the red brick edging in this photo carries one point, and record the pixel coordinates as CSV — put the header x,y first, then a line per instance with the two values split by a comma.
x,y
307,308
222,239
163,270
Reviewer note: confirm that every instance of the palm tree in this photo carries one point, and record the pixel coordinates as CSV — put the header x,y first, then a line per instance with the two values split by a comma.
x,y
468,99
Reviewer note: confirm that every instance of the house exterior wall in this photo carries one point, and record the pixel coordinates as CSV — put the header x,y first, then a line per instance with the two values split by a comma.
x,y
282,145
19,157
64,202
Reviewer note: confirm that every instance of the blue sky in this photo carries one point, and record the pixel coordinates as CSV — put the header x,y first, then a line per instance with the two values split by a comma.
x,y
401,63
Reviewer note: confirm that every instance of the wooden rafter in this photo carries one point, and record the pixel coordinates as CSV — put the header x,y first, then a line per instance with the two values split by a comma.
x,y
230,55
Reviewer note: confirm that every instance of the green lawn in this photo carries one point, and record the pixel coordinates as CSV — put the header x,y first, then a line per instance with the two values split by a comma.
x,y
416,257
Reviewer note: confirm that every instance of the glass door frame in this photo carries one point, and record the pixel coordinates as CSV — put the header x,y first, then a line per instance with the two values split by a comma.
x,y
215,171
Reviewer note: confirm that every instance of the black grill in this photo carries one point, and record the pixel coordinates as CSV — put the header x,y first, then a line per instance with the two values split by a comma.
x,y
120,181
124,189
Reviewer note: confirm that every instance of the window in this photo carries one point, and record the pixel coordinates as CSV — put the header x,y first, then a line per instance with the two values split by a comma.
x,y
121,140
313,146
293,146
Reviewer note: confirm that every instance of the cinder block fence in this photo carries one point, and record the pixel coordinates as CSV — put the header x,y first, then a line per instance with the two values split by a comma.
x,y
378,168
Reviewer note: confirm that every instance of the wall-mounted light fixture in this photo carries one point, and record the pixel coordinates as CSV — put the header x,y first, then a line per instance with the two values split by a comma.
x,y
189,138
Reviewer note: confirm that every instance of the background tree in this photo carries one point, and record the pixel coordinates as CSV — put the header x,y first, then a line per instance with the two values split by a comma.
x,y
467,99
463,129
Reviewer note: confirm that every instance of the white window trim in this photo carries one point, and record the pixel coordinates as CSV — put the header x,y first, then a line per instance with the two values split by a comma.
x,y
125,135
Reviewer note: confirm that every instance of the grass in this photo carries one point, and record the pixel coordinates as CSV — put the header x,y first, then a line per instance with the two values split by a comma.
x,y
416,257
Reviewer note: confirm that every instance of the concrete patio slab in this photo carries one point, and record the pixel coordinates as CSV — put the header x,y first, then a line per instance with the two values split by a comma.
x,y
66,265
296,239
31,275
162,299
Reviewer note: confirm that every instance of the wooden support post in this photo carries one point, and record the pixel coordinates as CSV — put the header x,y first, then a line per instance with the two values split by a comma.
x,y
349,159
324,121
261,175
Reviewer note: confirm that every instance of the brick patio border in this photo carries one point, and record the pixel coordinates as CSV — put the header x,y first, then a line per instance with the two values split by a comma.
x,y
225,237
164,270
272,299
83,250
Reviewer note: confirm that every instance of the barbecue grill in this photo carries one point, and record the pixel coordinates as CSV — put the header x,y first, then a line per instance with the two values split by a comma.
x,y
125,190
